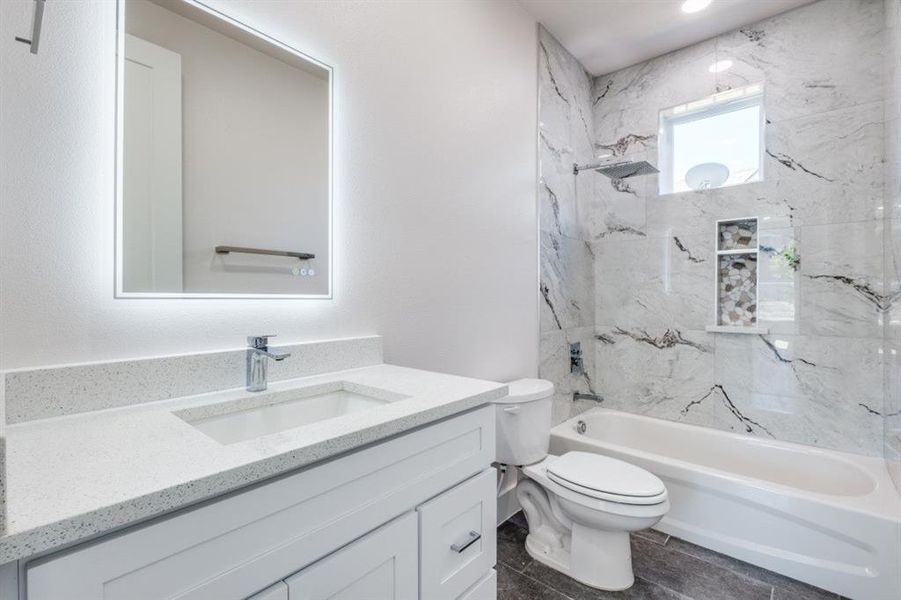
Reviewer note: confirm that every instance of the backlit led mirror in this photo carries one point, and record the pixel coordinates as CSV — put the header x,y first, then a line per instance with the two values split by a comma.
x,y
224,158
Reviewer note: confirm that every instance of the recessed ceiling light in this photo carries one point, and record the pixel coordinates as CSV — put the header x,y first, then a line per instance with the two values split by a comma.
x,y
720,66
693,6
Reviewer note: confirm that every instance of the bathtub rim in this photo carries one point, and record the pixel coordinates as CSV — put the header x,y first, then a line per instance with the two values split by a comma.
x,y
882,501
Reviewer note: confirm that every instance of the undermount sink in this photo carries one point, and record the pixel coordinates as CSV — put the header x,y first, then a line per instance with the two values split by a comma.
x,y
271,412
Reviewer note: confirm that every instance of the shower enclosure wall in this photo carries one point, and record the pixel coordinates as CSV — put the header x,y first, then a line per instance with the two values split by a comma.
x,y
892,322
633,272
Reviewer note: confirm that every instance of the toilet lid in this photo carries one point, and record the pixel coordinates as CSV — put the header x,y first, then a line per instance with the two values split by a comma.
x,y
586,472
527,390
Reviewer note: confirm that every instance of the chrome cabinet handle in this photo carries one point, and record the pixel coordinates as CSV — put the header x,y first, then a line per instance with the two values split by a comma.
x,y
474,537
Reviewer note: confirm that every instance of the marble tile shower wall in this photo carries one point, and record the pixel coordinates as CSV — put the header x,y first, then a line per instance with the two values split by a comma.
x,y
892,330
817,377
567,262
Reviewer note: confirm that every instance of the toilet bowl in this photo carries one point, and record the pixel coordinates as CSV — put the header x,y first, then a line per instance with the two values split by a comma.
x,y
581,528
580,507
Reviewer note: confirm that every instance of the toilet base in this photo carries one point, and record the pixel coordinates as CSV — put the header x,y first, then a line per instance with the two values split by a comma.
x,y
603,558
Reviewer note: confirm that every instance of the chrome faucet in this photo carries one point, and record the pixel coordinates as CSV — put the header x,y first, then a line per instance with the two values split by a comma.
x,y
575,358
258,355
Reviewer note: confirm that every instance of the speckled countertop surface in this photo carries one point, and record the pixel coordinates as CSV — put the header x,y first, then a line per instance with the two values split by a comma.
x,y
74,477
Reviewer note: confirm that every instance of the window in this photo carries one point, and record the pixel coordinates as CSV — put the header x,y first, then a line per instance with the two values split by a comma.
x,y
713,142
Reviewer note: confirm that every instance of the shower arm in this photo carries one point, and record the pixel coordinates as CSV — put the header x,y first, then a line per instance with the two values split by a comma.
x,y
577,167
618,169
597,165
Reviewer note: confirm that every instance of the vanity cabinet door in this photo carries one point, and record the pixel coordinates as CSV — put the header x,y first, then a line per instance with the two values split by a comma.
x,y
382,565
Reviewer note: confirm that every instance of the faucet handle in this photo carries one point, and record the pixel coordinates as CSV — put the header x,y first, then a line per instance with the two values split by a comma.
x,y
259,341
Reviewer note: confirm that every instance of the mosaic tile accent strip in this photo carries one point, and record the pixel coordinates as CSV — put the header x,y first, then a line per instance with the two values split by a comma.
x,y
738,290
738,235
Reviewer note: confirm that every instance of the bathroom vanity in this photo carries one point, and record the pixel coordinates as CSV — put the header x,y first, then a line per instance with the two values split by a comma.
x,y
390,490
413,516
243,473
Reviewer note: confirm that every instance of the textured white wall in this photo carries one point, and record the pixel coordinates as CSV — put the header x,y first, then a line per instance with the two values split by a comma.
x,y
435,211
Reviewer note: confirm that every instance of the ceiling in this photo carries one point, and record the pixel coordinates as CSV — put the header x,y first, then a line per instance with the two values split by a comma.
x,y
607,35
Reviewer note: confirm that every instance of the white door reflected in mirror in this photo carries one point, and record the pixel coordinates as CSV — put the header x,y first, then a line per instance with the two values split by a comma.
x,y
152,217
224,159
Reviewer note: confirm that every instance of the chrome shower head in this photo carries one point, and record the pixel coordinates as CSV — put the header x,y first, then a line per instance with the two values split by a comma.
x,y
624,170
619,170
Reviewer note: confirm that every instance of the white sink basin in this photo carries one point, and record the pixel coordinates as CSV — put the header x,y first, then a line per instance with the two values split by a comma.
x,y
270,412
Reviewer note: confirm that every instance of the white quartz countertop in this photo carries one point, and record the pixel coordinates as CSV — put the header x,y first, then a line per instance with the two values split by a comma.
x,y
75,477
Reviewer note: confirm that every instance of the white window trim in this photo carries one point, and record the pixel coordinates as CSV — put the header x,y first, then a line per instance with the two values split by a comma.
x,y
718,104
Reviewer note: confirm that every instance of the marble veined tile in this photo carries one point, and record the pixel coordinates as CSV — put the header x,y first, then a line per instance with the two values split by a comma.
x,y
813,59
566,285
892,405
659,372
842,281
655,283
565,90
557,201
892,71
893,457
819,170
823,391
555,366
626,103
565,136
696,213
892,257
616,207
892,192
893,13
826,168
779,279
829,166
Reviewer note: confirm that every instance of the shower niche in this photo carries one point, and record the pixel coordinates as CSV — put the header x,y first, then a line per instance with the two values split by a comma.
x,y
737,251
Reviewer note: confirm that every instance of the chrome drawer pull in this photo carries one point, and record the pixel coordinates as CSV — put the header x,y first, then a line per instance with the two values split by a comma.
x,y
474,537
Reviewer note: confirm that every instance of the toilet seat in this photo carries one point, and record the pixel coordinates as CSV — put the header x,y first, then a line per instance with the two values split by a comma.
x,y
605,478
583,532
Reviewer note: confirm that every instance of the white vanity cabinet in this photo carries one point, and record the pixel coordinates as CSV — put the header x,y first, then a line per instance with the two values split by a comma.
x,y
410,517
382,565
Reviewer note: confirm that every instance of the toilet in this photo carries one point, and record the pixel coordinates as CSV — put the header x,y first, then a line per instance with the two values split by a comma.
x,y
580,506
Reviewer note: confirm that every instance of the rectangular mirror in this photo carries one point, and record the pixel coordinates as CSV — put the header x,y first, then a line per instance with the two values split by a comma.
x,y
223,159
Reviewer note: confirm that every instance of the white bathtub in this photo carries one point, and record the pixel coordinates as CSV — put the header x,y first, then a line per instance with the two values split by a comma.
x,y
828,518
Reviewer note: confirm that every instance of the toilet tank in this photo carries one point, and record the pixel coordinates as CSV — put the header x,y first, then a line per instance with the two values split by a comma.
x,y
524,422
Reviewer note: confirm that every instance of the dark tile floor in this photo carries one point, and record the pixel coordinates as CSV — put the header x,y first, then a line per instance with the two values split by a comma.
x,y
666,568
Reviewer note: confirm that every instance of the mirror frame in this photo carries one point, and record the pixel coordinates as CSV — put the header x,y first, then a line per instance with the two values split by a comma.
x,y
120,101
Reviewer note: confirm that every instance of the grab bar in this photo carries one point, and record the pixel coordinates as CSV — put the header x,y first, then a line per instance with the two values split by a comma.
x,y
229,249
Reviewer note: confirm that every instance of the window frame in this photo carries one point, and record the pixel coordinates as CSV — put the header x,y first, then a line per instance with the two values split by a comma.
x,y
704,108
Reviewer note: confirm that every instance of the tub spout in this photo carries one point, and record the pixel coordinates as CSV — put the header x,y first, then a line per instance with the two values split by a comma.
x,y
583,396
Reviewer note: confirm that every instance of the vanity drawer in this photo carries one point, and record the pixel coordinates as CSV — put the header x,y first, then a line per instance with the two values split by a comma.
x,y
457,537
